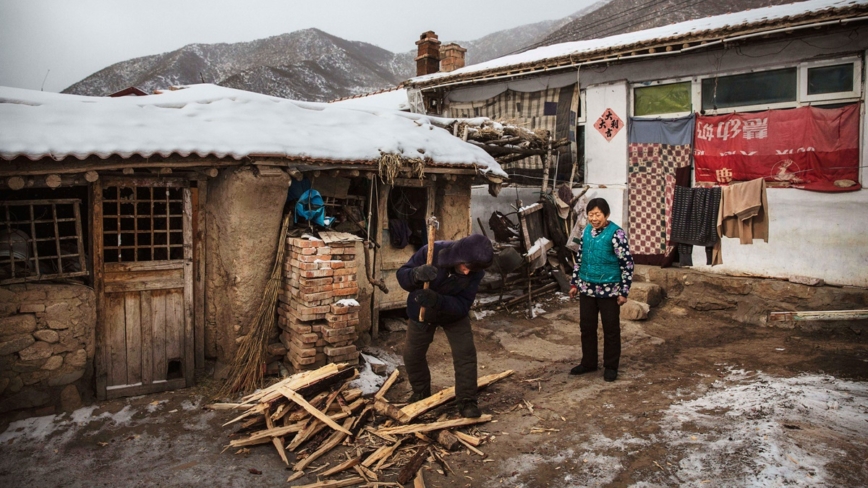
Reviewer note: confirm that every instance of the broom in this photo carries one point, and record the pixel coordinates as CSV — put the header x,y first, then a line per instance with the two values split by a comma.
x,y
248,367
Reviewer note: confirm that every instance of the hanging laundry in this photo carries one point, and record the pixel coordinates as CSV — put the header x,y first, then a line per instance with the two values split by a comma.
x,y
744,213
694,221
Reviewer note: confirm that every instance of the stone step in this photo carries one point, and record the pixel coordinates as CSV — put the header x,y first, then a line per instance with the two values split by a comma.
x,y
650,293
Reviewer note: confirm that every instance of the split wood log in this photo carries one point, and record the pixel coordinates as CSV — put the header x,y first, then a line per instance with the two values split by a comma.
x,y
277,441
334,484
385,437
91,176
295,476
335,439
448,424
360,421
385,408
408,472
382,453
349,463
387,454
419,480
128,171
352,395
366,473
448,440
414,410
388,384
468,446
295,397
472,440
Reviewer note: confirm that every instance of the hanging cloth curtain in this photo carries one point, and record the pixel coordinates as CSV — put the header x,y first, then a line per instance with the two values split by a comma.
x,y
657,149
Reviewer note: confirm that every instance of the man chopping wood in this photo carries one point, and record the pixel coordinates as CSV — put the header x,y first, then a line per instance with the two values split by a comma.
x,y
453,279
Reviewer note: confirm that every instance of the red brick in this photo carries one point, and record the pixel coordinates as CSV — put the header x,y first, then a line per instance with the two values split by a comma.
x,y
324,250
299,242
345,292
344,309
315,281
339,351
344,278
299,328
345,271
300,352
319,273
332,317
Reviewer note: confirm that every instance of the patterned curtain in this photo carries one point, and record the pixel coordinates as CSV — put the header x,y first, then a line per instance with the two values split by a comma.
x,y
554,109
658,148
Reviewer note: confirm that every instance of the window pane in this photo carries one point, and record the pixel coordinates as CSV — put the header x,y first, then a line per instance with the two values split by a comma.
x,y
830,79
662,99
749,89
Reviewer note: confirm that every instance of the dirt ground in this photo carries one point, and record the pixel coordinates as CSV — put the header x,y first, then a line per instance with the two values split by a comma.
x,y
699,401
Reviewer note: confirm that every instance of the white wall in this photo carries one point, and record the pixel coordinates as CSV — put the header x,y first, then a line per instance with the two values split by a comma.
x,y
606,161
818,235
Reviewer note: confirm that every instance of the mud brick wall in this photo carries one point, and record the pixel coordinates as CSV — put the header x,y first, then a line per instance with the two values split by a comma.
x,y
318,313
47,343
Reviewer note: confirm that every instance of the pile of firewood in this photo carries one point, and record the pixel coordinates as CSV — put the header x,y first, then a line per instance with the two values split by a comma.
x,y
314,412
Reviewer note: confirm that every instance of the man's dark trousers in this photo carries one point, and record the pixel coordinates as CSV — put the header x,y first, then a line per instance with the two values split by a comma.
x,y
460,336
610,313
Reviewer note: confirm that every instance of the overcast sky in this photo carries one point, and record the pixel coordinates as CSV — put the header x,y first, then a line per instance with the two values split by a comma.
x,y
71,39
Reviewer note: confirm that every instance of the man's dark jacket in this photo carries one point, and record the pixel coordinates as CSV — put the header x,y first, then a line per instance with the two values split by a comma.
x,y
457,291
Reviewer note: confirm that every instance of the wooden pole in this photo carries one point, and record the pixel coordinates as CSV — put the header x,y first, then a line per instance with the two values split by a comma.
x,y
433,225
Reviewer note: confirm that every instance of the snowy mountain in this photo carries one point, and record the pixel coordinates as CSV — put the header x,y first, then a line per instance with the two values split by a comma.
x,y
313,65
307,65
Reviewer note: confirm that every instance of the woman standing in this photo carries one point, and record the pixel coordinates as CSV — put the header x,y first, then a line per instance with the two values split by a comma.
x,y
602,278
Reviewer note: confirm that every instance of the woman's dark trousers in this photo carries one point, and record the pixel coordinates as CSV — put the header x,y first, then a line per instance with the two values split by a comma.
x,y
610,312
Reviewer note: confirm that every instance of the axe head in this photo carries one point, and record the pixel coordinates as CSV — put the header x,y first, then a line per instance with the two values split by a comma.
x,y
433,222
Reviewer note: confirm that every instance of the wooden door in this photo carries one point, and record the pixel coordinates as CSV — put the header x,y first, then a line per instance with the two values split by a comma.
x,y
145,287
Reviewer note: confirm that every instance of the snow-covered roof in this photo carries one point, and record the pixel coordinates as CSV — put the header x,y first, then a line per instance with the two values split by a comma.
x,y
766,18
209,120
395,99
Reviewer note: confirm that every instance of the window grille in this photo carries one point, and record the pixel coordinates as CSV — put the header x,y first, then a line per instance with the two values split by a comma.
x,y
41,240
144,223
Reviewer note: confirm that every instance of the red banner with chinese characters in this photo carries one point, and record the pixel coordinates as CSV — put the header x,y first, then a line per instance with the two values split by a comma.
x,y
796,146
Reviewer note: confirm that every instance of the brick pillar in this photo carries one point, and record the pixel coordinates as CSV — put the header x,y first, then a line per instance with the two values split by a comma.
x,y
318,313
451,57
428,54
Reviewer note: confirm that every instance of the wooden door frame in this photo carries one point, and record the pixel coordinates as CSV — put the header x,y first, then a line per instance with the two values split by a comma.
x,y
193,346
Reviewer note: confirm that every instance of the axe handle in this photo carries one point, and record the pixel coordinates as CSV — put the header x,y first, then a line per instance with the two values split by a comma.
x,y
431,230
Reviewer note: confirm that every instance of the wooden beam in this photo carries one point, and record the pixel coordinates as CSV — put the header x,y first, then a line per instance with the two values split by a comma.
x,y
388,384
414,410
447,424
819,315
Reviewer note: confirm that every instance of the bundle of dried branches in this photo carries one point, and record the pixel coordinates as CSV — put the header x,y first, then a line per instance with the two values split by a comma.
x,y
248,366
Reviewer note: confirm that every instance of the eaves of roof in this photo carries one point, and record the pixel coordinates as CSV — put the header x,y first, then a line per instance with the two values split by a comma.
x,y
655,47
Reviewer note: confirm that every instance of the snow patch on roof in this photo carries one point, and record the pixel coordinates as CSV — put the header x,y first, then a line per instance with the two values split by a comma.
x,y
209,120
577,48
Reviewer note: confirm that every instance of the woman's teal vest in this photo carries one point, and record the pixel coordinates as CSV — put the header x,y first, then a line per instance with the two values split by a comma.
x,y
599,261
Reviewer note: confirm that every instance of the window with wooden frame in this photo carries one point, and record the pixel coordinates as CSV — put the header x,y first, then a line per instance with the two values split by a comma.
x,y
41,240
143,223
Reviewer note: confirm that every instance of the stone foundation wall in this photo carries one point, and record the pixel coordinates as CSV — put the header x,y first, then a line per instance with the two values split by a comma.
x,y
47,345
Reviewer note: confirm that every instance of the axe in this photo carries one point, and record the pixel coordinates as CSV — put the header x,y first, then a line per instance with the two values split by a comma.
x,y
433,225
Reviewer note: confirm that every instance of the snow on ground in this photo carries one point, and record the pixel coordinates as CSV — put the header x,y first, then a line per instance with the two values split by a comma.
x,y
368,381
481,314
748,429
537,310
37,429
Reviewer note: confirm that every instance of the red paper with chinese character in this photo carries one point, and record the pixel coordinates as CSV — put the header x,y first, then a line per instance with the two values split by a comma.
x,y
798,146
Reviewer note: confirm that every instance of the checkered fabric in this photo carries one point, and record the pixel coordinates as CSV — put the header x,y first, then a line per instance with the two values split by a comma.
x,y
651,181
521,109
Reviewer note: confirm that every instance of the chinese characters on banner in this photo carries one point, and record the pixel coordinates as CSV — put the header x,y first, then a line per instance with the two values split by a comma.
x,y
796,146
609,124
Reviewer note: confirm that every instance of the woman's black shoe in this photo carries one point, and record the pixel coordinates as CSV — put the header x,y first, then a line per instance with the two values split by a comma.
x,y
581,370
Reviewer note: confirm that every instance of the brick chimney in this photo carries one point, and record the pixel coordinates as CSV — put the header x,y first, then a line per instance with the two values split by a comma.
x,y
451,57
428,58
